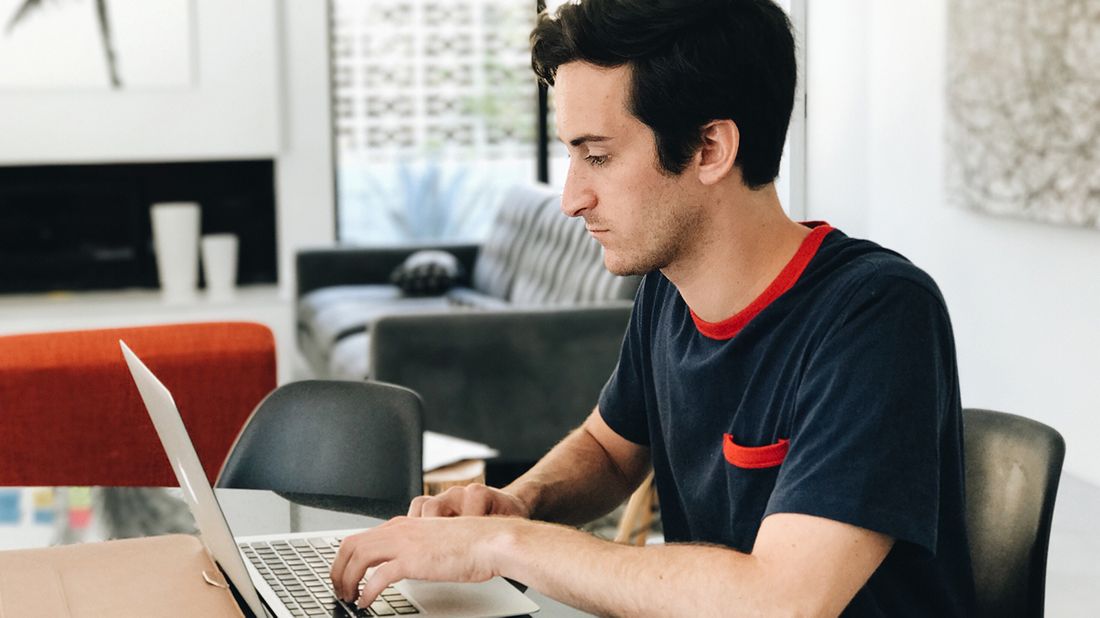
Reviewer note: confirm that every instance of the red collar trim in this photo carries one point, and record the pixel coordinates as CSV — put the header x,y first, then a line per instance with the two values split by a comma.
x,y
729,327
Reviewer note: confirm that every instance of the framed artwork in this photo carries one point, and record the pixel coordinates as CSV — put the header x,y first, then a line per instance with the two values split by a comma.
x,y
96,45
1023,109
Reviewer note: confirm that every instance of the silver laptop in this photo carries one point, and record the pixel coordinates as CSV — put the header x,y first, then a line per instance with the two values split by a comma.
x,y
286,575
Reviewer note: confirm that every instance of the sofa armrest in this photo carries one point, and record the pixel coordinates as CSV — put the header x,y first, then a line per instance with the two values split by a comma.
x,y
517,380
321,268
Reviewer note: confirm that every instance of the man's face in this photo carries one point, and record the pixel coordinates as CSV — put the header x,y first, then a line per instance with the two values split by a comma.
x,y
643,218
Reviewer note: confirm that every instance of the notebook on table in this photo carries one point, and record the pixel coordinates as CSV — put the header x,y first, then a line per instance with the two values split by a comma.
x,y
170,576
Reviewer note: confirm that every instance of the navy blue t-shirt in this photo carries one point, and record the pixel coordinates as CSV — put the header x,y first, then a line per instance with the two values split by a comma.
x,y
834,394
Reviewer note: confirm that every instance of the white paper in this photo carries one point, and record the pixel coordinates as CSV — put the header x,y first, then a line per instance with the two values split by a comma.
x,y
441,450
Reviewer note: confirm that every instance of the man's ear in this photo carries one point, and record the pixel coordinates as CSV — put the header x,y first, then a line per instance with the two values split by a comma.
x,y
718,151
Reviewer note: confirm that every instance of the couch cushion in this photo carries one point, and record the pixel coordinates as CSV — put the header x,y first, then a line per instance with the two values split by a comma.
x,y
349,358
331,314
427,273
328,316
562,264
499,256
472,299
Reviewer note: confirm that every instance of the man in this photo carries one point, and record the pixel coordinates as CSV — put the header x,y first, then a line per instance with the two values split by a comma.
x,y
794,390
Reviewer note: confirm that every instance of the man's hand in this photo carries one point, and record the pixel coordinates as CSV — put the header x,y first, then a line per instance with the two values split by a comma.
x,y
453,549
475,499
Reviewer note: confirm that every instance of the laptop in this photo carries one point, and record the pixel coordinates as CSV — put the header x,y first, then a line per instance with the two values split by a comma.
x,y
287,575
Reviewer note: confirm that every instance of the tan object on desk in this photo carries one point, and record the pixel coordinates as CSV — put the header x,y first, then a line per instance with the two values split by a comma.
x,y
638,515
162,576
454,475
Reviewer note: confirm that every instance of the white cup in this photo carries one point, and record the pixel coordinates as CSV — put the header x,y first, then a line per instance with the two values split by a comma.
x,y
176,241
219,265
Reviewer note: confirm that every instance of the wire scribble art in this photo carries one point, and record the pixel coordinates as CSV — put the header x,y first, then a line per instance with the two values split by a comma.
x,y
85,45
1023,108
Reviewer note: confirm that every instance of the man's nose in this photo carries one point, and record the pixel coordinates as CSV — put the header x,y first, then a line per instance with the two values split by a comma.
x,y
576,196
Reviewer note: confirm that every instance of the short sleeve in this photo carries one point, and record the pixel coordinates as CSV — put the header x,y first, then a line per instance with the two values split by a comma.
x,y
622,401
870,410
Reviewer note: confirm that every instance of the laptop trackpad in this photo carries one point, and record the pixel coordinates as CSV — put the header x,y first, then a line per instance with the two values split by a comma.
x,y
493,598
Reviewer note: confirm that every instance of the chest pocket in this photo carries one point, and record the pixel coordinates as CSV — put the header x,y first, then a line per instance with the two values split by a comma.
x,y
751,472
754,457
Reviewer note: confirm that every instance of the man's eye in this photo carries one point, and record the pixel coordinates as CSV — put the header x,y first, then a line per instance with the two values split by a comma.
x,y
596,160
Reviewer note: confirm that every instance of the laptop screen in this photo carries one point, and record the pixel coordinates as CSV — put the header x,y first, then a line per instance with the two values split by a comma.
x,y
197,491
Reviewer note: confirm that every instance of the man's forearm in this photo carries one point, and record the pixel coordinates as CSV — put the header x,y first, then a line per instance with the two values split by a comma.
x,y
801,565
576,482
610,579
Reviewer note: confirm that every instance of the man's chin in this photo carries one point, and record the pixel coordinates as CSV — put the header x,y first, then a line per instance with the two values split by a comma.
x,y
625,267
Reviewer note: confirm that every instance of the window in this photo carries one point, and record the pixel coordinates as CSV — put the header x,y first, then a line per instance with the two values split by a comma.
x,y
435,113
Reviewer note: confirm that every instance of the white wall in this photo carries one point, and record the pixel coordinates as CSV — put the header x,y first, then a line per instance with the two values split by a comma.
x,y
230,111
304,181
1024,297
836,114
791,183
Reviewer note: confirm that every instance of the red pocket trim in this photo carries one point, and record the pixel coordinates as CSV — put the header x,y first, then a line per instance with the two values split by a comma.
x,y
753,457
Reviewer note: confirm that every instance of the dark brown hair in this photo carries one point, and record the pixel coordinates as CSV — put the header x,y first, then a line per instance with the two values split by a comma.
x,y
692,62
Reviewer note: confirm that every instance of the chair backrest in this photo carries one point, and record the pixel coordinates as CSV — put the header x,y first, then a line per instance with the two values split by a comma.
x,y
70,414
1012,469
358,439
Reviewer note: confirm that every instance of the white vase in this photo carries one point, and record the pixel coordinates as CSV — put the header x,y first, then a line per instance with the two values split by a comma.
x,y
176,241
219,265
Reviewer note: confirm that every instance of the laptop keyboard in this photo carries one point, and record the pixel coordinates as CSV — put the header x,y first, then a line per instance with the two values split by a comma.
x,y
298,571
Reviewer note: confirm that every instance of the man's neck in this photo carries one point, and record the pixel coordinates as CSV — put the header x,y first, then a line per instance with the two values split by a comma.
x,y
747,241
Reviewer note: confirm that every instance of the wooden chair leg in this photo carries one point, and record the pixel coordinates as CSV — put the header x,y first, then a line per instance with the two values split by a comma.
x,y
638,514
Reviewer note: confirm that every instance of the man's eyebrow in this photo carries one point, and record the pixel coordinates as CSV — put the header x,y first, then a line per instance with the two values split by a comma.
x,y
584,139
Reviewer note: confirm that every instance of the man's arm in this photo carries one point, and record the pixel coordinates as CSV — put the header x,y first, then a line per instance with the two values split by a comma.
x,y
586,475
801,565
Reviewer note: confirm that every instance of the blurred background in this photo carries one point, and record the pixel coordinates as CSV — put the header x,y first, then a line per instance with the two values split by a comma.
x,y
964,135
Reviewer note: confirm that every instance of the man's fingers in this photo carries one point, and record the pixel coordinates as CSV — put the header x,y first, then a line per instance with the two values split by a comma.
x,y
386,574
356,554
477,500
354,572
437,507
465,500
340,563
416,507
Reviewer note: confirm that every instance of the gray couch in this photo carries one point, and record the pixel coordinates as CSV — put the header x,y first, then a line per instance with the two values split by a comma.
x,y
514,356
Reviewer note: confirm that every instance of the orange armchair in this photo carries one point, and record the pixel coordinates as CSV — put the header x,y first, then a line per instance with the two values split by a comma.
x,y
71,415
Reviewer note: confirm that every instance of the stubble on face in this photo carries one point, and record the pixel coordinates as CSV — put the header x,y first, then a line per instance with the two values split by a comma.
x,y
668,226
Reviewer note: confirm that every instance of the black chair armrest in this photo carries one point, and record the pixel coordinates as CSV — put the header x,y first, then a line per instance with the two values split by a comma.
x,y
517,380
322,268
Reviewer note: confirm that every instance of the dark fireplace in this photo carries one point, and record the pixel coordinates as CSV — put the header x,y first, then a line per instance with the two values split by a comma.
x,y
87,227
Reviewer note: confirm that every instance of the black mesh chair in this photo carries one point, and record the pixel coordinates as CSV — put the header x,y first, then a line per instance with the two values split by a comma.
x,y
1012,469
353,439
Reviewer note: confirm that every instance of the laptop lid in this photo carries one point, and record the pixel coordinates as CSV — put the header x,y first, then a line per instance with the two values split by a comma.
x,y
197,491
